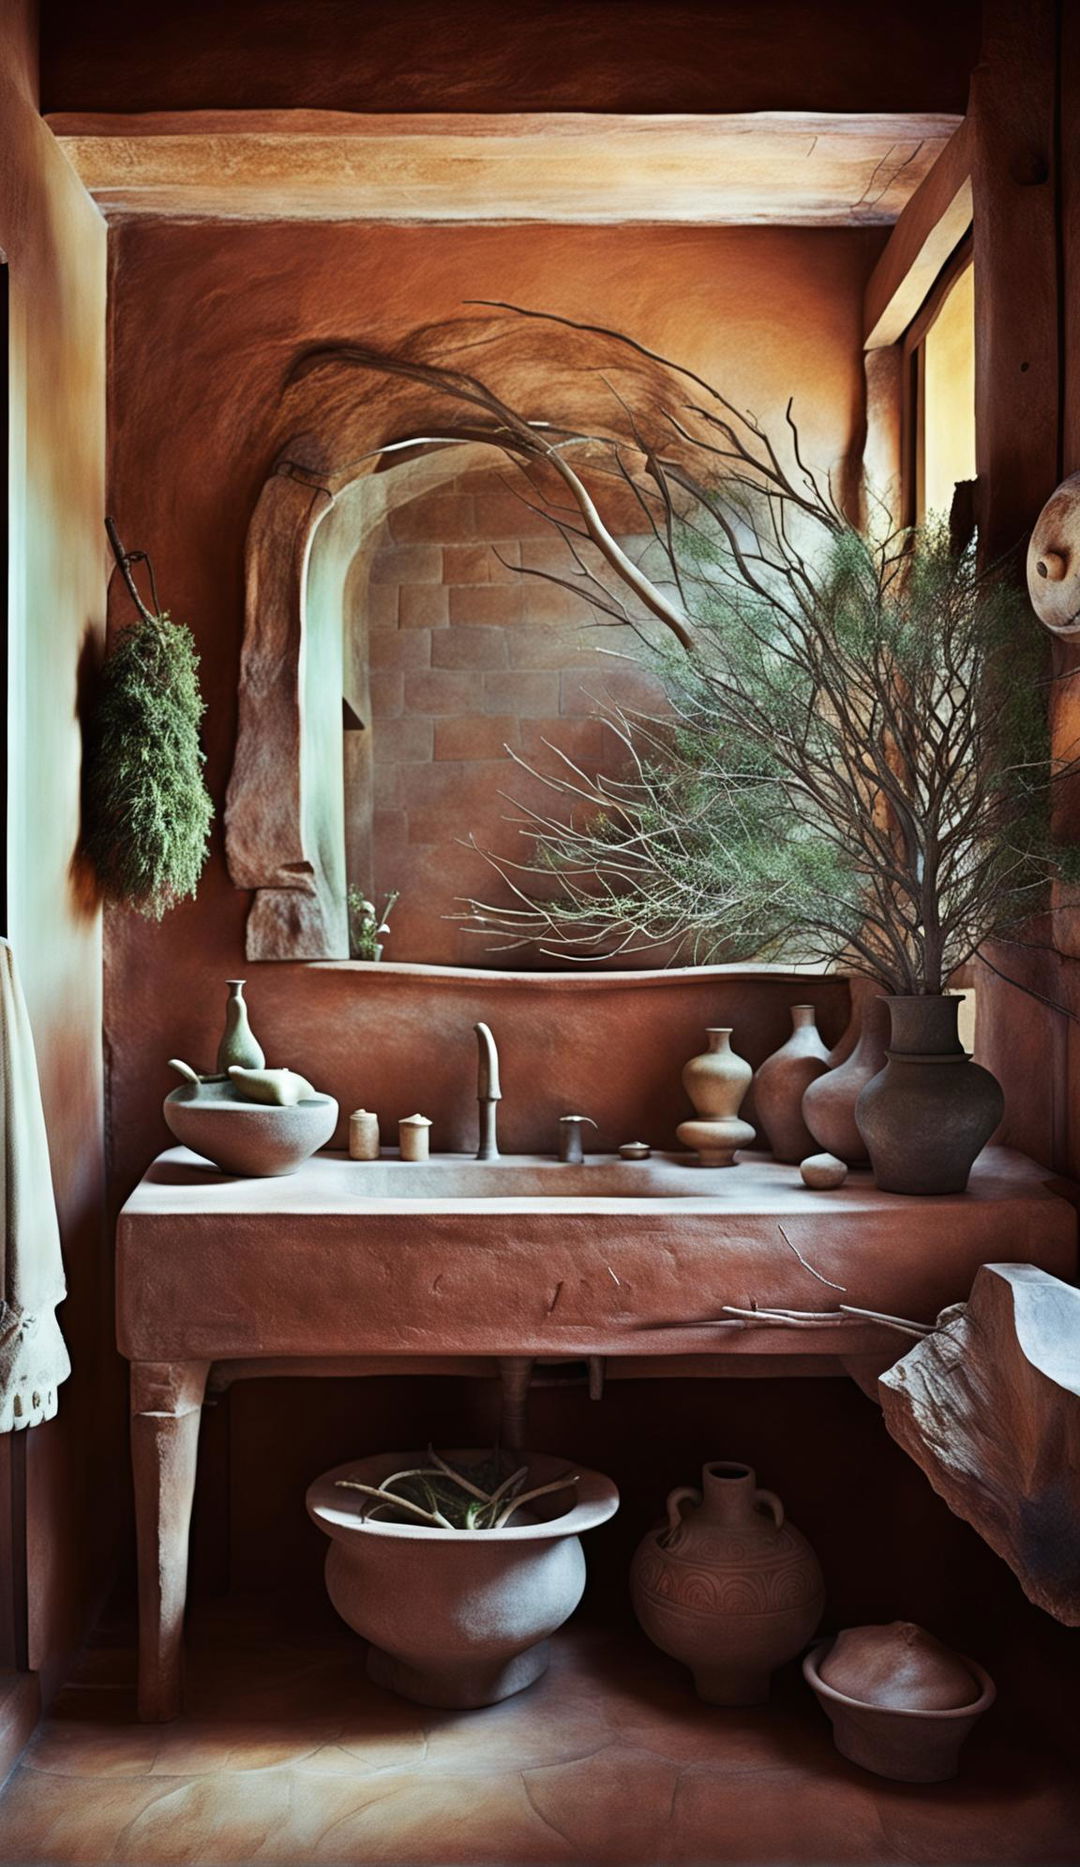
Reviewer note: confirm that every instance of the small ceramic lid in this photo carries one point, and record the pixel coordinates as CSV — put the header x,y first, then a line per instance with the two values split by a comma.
x,y
414,1121
900,1666
635,1150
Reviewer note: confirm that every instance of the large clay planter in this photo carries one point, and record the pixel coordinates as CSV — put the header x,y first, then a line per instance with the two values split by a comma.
x,y
828,1106
727,1586
928,1114
716,1083
457,1617
782,1082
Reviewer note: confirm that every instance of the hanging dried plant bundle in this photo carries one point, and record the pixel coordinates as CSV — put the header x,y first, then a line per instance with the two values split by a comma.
x,y
148,809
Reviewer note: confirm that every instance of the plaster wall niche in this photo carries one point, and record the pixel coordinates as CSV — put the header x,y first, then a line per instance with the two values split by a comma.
x,y
401,639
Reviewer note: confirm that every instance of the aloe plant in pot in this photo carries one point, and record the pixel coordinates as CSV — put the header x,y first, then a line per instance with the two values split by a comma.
x,y
853,766
457,1568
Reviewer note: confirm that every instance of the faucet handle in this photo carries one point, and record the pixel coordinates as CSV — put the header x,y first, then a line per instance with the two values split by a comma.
x,y
571,1146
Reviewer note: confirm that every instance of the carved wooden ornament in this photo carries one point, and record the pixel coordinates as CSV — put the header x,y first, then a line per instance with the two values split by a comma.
x,y
1053,560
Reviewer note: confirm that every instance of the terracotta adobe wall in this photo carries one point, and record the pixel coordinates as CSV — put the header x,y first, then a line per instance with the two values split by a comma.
x,y
204,321
53,241
469,654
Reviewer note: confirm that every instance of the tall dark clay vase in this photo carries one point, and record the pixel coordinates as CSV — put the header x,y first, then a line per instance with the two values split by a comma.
x,y
781,1083
829,1103
928,1114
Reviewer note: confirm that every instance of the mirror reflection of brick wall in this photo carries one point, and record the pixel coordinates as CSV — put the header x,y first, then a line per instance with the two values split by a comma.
x,y
466,656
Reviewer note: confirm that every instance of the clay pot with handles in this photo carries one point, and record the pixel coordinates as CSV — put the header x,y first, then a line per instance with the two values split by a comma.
x,y
727,1585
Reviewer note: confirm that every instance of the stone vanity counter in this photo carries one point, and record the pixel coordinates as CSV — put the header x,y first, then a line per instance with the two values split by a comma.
x,y
220,1278
215,1267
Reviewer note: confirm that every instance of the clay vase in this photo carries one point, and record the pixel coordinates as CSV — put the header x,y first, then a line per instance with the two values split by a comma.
x,y
238,1044
829,1104
727,1586
781,1083
458,1617
931,1110
716,1083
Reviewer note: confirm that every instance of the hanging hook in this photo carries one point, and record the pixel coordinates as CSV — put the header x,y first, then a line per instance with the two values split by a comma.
x,y
124,561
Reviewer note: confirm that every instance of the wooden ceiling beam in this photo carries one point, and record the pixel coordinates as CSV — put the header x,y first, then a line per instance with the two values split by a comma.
x,y
781,168
929,228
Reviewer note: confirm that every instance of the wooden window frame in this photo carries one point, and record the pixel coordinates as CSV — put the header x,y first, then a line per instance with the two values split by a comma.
x,y
912,378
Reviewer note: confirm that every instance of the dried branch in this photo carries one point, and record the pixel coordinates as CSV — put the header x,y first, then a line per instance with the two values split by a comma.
x,y
855,764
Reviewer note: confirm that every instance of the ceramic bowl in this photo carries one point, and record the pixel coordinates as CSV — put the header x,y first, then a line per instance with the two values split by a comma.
x,y
253,1139
908,1746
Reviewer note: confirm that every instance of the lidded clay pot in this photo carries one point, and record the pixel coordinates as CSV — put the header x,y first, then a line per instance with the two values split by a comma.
x,y
716,1083
729,1587
781,1083
899,1702
900,1666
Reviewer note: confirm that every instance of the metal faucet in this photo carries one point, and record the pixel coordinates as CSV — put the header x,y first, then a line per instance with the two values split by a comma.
x,y
488,1093
571,1139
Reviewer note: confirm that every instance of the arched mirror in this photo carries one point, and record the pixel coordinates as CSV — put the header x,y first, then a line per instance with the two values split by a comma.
x,y
399,648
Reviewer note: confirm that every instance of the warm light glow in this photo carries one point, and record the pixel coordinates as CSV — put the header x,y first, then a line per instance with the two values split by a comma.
x,y
947,400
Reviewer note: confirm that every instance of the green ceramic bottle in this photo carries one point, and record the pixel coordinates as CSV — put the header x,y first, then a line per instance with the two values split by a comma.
x,y
238,1044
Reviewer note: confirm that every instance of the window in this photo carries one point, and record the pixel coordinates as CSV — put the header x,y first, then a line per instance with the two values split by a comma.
x,y
940,348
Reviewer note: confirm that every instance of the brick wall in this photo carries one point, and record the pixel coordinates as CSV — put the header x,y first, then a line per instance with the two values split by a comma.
x,y
466,655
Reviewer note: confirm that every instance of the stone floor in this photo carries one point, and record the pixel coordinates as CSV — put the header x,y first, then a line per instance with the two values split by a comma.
x,y
287,1754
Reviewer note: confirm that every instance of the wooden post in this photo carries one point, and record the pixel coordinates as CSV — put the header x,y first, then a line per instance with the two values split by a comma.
x,y
1019,397
1017,284
515,1376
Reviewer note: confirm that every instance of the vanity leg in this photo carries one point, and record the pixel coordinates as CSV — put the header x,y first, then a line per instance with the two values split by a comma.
x,y
515,1375
166,1401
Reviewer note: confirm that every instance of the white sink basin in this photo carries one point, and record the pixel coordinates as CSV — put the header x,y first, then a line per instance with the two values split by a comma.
x,y
534,1176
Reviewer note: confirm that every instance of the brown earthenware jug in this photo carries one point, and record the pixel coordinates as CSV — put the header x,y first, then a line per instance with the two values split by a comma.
x,y
928,1114
727,1585
781,1083
829,1104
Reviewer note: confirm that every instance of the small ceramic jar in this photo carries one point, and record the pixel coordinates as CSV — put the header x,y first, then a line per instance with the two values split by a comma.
x,y
413,1136
363,1135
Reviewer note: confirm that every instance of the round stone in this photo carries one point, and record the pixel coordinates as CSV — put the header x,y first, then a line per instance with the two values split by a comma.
x,y
822,1170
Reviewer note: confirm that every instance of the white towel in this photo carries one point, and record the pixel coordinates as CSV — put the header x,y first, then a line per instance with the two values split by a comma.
x,y
33,1354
